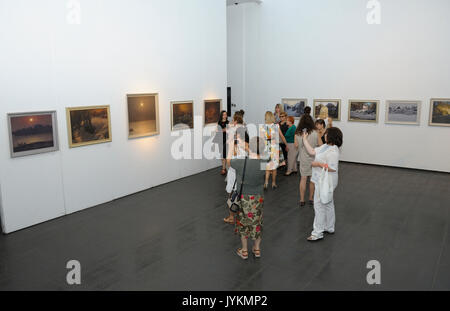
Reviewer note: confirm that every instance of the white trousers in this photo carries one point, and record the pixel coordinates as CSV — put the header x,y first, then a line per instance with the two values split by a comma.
x,y
324,218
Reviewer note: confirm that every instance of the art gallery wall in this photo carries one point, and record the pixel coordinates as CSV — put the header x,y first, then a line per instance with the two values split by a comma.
x,y
326,50
175,48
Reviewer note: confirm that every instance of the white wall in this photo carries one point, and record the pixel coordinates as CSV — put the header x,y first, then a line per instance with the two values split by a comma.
x,y
176,48
326,49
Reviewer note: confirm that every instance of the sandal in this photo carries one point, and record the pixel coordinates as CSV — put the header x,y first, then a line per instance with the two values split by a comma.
x,y
311,203
265,186
241,253
274,186
223,172
302,204
313,238
256,253
229,220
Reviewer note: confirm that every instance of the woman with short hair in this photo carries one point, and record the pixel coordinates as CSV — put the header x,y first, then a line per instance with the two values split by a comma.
x,y
326,156
277,112
283,127
250,215
292,151
236,150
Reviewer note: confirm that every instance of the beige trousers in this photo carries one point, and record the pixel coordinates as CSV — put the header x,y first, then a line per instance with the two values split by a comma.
x,y
292,158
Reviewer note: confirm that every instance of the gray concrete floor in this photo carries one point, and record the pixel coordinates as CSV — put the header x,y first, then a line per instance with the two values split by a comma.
x,y
173,238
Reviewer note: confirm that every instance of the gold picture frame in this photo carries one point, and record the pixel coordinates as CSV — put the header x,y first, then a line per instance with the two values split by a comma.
x,y
211,117
332,116
143,115
181,113
362,116
83,130
445,111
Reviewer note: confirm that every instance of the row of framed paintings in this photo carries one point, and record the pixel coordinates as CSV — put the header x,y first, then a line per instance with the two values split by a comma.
x,y
36,132
397,111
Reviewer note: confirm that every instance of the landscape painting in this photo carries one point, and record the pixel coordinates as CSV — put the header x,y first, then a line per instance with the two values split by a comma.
x,y
333,106
88,125
440,112
32,133
143,119
212,111
182,115
294,107
403,112
363,110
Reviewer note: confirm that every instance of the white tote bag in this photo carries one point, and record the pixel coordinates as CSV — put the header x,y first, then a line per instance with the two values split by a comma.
x,y
325,187
231,178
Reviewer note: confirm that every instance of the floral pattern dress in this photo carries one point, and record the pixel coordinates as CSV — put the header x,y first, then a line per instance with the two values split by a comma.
x,y
271,134
250,217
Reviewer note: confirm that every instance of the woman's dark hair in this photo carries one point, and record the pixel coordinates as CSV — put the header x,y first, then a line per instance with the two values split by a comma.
x,y
306,122
334,136
321,122
307,110
242,112
221,115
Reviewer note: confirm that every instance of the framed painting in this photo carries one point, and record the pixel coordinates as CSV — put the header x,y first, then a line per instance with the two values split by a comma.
x,y
32,133
182,115
439,112
212,108
143,115
294,107
403,112
329,107
88,125
363,110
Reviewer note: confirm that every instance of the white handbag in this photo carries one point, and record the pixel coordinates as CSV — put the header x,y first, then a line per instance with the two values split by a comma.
x,y
325,187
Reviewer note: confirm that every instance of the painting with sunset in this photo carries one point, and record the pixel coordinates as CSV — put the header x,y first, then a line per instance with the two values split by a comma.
x,y
88,125
212,111
143,119
182,115
32,133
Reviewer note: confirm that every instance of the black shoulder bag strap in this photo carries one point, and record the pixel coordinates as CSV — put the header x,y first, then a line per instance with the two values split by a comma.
x,y
243,178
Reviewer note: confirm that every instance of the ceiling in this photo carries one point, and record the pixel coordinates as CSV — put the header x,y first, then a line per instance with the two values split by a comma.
x,y
233,2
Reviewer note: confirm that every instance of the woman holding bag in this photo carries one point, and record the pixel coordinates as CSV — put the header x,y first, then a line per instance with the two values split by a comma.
x,y
326,157
249,175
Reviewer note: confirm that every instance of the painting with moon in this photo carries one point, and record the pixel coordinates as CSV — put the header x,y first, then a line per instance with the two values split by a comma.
x,y
143,117
32,133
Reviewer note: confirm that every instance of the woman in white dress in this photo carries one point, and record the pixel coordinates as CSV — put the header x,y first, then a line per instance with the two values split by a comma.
x,y
326,156
272,134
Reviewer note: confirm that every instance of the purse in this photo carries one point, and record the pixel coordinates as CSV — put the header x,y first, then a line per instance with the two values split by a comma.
x,y
234,199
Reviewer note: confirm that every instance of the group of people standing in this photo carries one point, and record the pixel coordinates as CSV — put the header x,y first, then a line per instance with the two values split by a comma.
x,y
310,147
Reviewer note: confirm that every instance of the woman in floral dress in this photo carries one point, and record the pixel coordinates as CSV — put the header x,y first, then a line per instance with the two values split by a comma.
x,y
272,134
